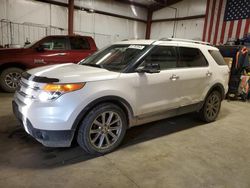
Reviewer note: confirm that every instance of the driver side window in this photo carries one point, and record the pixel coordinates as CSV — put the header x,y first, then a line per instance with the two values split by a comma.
x,y
54,44
165,56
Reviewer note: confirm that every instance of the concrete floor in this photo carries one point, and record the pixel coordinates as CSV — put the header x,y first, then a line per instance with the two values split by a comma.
x,y
176,152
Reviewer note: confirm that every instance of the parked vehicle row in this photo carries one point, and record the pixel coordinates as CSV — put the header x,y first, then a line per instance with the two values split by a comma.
x,y
124,85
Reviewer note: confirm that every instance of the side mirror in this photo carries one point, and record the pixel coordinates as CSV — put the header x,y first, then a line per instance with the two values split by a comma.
x,y
149,68
40,48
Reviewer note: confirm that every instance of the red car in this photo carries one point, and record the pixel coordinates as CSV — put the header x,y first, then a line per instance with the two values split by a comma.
x,y
47,51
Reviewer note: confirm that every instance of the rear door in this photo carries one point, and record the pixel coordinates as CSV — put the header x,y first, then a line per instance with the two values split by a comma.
x,y
80,48
194,75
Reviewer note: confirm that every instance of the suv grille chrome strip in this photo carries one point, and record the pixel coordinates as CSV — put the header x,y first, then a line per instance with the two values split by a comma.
x,y
22,84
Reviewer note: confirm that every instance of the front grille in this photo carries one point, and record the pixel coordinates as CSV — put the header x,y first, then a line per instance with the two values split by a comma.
x,y
27,89
22,84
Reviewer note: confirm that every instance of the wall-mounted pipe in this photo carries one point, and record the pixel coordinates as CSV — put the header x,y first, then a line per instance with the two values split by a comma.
x,y
175,16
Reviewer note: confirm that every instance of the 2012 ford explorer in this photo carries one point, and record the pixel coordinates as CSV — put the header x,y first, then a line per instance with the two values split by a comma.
x,y
127,84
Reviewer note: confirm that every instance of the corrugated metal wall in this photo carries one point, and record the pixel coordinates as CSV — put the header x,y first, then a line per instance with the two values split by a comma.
x,y
27,19
189,29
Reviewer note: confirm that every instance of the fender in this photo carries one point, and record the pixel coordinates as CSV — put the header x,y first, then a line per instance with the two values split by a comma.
x,y
219,87
122,103
12,64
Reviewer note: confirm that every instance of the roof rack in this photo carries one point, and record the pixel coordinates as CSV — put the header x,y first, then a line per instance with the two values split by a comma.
x,y
185,40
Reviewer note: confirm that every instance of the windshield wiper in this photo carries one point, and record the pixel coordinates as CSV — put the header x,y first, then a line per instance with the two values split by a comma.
x,y
115,67
93,65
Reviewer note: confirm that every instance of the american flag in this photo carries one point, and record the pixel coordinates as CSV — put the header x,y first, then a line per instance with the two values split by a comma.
x,y
226,19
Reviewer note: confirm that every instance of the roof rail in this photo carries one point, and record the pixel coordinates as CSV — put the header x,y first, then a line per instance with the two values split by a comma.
x,y
185,40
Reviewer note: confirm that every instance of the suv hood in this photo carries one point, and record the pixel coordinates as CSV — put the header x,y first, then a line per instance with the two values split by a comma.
x,y
69,73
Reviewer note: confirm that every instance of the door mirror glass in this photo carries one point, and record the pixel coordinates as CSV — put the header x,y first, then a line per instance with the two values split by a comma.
x,y
149,68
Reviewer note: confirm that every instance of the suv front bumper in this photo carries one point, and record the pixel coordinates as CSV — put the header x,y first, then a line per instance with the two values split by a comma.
x,y
49,138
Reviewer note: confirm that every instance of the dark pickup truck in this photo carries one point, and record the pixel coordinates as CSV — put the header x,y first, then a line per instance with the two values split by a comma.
x,y
49,50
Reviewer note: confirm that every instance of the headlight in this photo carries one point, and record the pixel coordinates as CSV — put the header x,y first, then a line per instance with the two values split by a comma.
x,y
53,91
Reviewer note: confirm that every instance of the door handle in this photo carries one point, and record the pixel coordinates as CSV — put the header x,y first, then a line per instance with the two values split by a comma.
x,y
174,77
209,74
61,54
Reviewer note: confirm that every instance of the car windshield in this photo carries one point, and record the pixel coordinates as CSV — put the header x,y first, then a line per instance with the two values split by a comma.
x,y
115,57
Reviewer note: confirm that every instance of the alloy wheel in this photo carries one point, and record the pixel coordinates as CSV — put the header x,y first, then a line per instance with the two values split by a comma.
x,y
12,79
212,106
105,130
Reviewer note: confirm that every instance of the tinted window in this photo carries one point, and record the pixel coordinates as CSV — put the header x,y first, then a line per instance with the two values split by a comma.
x,y
165,56
217,57
78,43
55,44
191,57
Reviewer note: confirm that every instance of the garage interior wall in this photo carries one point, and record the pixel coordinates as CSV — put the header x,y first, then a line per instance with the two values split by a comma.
x,y
188,29
33,20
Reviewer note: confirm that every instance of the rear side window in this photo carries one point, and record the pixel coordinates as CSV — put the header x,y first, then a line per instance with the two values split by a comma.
x,y
217,57
78,43
191,57
165,56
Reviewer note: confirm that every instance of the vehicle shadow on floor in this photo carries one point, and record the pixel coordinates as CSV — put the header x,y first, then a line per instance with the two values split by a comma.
x,y
33,155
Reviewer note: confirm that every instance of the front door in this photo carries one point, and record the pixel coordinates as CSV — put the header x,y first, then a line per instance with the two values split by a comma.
x,y
158,92
55,51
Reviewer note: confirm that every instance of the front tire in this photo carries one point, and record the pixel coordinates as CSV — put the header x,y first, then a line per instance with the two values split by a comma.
x,y
9,79
211,107
102,129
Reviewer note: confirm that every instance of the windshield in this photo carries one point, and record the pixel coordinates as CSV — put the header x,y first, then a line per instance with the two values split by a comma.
x,y
115,57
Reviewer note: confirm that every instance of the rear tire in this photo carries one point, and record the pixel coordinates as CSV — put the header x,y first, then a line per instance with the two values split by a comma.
x,y
211,107
103,129
9,79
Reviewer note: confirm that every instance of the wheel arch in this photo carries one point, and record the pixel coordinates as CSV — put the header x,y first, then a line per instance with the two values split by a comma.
x,y
122,103
218,87
11,65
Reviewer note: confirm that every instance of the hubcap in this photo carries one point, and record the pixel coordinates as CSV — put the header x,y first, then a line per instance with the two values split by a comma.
x,y
105,130
12,79
213,105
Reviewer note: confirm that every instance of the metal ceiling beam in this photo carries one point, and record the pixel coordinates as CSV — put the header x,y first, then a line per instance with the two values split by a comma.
x,y
162,4
133,3
92,10
180,18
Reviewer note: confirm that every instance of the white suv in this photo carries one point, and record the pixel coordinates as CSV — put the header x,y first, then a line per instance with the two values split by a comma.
x,y
124,85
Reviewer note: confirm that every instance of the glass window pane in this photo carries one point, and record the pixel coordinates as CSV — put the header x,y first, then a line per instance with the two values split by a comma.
x,y
55,44
217,57
191,57
165,56
78,43
115,57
